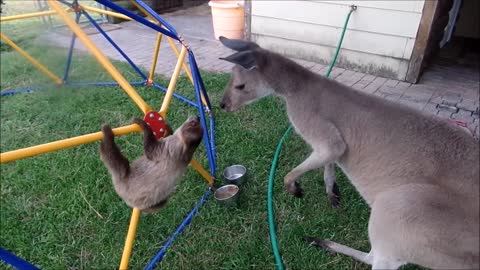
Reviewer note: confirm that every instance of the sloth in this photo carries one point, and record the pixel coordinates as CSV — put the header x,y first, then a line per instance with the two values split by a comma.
x,y
149,181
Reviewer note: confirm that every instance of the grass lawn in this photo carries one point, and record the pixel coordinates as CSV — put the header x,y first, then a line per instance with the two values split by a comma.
x,y
47,202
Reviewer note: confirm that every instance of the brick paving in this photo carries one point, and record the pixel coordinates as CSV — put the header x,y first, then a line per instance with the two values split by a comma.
x,y
444,90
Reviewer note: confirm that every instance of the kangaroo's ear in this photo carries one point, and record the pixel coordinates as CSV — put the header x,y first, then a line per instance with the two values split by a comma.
x,y
245,59
238,44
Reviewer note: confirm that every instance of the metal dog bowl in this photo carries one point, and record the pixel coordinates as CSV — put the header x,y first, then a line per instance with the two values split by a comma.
x,y
227,195
235,174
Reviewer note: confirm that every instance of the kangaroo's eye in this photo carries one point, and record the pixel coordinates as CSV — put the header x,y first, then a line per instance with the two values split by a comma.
x,y
240,86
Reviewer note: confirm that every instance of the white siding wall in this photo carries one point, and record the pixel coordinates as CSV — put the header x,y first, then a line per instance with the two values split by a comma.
x,y
379,39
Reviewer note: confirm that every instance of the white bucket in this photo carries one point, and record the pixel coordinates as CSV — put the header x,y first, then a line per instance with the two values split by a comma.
x,y
228,18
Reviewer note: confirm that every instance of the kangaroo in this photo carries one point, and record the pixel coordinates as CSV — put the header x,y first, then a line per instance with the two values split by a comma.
x,y
419,174
149,181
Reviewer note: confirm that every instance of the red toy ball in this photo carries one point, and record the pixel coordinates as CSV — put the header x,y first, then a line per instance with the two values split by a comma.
x,y
157,124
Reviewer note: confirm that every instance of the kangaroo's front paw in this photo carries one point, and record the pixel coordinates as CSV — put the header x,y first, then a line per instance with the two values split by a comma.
x,y
334,196
334,200
295,189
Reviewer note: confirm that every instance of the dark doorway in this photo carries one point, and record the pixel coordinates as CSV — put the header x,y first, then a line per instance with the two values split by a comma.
x,y
453,51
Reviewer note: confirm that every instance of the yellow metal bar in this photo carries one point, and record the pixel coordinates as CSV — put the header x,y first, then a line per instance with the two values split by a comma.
x,y
177,53
185,68
62,144
173,82
101,57
202,171
106,12
32,60
159,38
132,230
155,56
174,48
30,15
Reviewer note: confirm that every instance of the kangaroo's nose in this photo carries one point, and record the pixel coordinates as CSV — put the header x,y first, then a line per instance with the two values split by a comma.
x,y
222,105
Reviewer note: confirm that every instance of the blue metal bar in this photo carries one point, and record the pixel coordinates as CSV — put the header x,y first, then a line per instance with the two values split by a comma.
x,y
94,23
179,230
212,137
180,97
15,261
70,50
196,70
65,3
156,16
206,138
199,84
33,89
21,90
101,83
203,89
210,155
137,18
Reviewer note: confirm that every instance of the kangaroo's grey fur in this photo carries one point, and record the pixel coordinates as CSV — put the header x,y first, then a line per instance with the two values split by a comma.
x,y
151,179
419,174
238,96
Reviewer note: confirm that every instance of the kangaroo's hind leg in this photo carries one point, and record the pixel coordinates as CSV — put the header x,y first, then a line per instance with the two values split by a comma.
x,y
339,248
377,260
110,153
425,225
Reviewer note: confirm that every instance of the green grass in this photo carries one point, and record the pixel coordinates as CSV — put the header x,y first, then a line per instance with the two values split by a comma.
x,y
45,214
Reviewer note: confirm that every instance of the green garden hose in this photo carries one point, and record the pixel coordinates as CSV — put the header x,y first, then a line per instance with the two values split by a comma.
x,y
271,223
271,177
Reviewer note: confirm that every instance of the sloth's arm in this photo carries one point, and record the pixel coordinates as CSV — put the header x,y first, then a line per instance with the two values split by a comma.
x,y
150,143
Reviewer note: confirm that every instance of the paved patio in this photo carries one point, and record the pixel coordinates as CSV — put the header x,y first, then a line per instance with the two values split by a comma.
x,y
449,88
